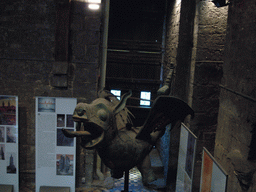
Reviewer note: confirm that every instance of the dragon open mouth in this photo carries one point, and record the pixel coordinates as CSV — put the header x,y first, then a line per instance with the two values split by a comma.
x,y
92,135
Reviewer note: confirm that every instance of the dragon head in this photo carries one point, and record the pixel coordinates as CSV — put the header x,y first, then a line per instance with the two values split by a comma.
x,y
97,121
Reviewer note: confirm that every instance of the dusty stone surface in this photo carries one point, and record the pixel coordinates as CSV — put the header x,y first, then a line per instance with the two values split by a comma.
x,y
29,69
195,43
237,100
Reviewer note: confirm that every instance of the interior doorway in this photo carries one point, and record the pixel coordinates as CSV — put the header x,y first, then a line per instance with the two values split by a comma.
x,y
135,51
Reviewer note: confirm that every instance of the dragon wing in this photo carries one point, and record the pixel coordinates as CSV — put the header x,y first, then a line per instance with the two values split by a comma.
x,y
165,110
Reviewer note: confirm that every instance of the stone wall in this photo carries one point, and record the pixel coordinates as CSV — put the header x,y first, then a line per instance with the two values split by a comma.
x,y
209,33
237,113
195,44
28,66
172,34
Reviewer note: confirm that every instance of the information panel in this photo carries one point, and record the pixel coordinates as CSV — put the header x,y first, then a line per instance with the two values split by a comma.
x,y
186,160
55,153
213,177
9,155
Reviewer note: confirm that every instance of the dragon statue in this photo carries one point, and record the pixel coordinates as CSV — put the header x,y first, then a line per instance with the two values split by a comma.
x,y
106,125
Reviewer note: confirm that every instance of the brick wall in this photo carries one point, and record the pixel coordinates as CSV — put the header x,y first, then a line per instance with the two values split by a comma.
x,y
28,66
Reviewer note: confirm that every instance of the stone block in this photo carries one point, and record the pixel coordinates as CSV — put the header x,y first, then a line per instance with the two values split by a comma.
x,y
30,44
78,7
208,73
92,54
87,90
203,92
86,73
82,75
85,23
85,46
60,81
203,119
93,23
13,70
210,53
60,68
218,28
209,40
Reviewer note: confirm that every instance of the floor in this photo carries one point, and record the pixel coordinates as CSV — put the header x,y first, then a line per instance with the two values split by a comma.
x,y
135,183
135,180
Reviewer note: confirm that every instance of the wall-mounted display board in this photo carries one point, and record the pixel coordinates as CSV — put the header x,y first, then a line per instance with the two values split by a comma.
x,y
9,152
213,176
55,153
186,159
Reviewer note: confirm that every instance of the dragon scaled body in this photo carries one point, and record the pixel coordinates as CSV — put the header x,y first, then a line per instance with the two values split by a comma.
x,y
106,125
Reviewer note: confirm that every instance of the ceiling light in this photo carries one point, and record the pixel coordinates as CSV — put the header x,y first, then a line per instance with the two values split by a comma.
x,y
94,6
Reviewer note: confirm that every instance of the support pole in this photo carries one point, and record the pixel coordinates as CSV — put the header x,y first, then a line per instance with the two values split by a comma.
x,y
104,46
126,181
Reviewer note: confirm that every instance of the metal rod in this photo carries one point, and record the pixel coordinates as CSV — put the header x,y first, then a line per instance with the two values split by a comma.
x,y
240,94
104,46
126,181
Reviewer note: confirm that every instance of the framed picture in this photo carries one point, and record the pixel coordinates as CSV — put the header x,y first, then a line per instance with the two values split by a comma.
x,y
186,159
213,176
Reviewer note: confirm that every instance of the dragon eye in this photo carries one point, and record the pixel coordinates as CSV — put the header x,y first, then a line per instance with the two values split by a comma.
x,y
103,115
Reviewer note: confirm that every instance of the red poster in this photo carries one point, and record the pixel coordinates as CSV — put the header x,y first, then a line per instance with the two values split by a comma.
x,y
206,173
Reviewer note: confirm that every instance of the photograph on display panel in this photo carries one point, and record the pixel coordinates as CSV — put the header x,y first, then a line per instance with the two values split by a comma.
x,y
64,165
2,152
2,134
11,134
190,154
60,120
46,104
11,162
70,121
7,110
62,140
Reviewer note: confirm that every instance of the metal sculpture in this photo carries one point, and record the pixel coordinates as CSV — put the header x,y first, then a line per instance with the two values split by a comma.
x,y
106,125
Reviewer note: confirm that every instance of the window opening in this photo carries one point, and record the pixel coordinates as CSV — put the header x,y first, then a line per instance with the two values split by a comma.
x,y
145,96
117,93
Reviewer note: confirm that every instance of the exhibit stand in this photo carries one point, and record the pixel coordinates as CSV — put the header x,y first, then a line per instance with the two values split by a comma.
x,y
213,176
181,159
9,150
186,159
54,189
6,188
55,153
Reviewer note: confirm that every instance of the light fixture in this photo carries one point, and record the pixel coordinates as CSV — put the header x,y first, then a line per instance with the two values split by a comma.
x,y
93,4
220,3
